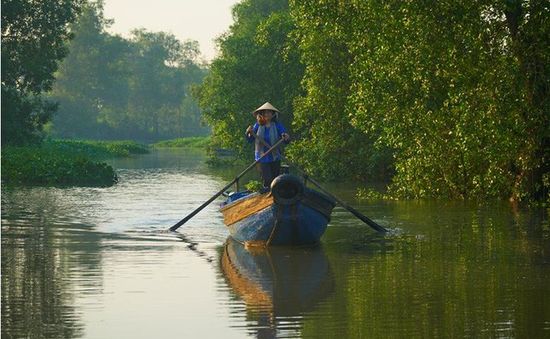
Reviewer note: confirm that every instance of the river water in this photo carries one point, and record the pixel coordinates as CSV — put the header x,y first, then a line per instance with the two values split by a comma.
x,y
98,263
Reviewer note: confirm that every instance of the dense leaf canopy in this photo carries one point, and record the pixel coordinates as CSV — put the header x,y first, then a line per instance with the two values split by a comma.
x,y
453,96
258,62
110,87
448,99
34,34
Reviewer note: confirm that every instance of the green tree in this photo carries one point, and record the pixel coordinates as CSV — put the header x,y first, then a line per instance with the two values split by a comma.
x,y
457,90
162,69
139,88
257,63
91,85
331,146
33,42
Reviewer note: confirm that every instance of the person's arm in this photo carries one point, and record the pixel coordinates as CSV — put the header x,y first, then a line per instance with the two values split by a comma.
x,y
250,136
283,133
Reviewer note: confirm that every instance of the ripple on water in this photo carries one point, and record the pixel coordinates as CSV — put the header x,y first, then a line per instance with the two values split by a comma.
x,y
79,258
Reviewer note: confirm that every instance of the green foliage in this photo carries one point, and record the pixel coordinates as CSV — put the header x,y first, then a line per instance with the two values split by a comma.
x,y
254,186
36,165
370,194
257,63
96,149
449,98
65,162
33,42
458,91
191,142
139,88
446,123
546,188
330,146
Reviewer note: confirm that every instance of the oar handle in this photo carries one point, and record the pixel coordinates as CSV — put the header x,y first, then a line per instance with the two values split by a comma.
x,y
352,210
206,203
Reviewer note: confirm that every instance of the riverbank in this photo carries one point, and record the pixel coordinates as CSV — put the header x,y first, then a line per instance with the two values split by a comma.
x,y
65,162
189,142
217,157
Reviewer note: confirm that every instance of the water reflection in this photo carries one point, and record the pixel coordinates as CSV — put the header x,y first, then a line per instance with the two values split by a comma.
x,y
96,263
278,285
42,258
455,270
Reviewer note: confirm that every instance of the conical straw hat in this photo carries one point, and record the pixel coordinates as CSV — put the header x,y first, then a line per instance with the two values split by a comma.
x,y
266,106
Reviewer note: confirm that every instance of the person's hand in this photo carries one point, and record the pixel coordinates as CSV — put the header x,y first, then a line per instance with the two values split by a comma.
x,y
285,136
249,130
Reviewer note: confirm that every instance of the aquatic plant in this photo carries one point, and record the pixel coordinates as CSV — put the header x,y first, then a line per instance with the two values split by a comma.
x,y
253,185
65,162
45,166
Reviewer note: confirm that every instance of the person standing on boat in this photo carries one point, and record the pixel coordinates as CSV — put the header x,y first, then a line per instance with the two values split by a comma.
x,y
270,130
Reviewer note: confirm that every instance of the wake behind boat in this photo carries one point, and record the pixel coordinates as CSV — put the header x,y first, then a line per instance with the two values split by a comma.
x,y
290,214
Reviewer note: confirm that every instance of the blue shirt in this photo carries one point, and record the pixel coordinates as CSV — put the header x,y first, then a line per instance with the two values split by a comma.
x,y
273,155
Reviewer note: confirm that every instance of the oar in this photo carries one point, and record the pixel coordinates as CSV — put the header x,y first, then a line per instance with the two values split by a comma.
x,y
192,214
352,210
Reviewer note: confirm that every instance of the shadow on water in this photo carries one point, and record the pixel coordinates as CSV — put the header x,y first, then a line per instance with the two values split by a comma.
x,y
277,285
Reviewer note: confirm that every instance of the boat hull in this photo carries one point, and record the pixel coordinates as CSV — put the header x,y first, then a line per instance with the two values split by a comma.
x,y
260,220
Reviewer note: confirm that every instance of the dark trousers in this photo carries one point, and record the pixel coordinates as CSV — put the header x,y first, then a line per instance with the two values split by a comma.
x,y
269,171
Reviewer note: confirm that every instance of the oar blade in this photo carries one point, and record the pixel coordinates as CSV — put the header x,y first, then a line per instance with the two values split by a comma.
x,y
367,221
352,210
181,222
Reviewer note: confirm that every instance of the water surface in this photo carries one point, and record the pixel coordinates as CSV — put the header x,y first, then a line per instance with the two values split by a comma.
x,y
98,263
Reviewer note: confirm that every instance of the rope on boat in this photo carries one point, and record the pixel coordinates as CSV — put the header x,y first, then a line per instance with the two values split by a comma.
x,y
279,213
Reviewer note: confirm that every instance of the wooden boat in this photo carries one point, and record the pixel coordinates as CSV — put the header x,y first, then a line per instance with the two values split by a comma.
x,y
277,284
290,214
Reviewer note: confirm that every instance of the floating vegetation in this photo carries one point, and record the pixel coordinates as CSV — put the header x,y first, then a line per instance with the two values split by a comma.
x,y
65,162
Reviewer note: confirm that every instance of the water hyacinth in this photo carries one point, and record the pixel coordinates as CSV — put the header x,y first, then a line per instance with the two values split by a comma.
x,y
64,163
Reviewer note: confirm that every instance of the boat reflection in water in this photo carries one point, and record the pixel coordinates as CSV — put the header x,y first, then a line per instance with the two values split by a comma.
x,y
278,285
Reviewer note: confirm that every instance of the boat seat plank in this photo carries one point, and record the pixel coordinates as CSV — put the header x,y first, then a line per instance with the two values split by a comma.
x,y
245,208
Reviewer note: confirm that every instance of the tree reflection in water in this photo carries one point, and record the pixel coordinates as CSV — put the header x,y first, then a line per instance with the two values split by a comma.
x,y
40,252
